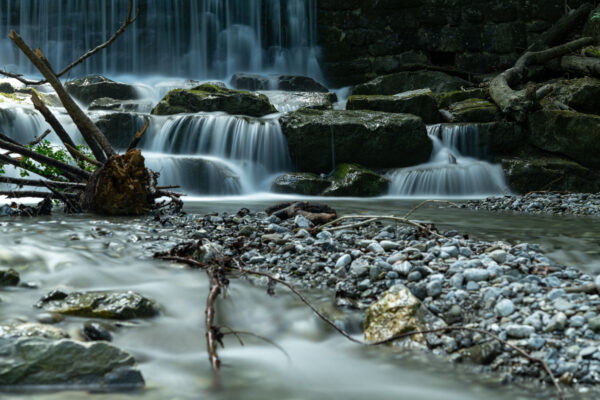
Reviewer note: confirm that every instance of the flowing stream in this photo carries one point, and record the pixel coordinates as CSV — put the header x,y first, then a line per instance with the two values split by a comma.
x,y
85,252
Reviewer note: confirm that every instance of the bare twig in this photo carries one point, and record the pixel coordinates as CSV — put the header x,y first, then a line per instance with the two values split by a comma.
x,y
138,136
411,212
22,193
264,339
212,332
70,207
82,156
38,139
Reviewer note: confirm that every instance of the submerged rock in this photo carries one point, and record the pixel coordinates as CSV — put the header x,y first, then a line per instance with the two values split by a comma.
x,y
209,98
420,102
289,83
30,329
571,134
356,181
306,184
28,363
101,304
474,110
90,88
9,277
404,81
318,139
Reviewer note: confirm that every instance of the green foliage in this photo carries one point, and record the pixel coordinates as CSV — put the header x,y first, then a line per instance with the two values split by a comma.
x,y
56,153
596,16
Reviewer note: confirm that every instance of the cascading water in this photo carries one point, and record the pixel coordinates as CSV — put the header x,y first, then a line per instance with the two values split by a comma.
x,y
192,38
454,169
217,153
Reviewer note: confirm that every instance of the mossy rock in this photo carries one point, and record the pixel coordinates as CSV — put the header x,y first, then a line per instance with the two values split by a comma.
x,y
571,134
211,98
100,304
353,180
6,87
446,98
474,110
32,363
592,27
109,104
318,139
306,184
582,94
421,103
549,173
9,277
405,81
90,88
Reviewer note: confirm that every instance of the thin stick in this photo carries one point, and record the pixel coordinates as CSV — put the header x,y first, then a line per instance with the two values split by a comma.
x,y
211,331
82,156
138,136
40,183
264,339
25,193
38,139
411,212
373,218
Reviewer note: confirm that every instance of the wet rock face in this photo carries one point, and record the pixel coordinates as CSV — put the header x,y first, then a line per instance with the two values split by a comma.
x,y
27,363
119,128
29,329
109,305
583,94
571,134
363,39
421,103
437,82
474,110
524,176
289,83
9,277
356,181
90,88
210,97
318,139
300,183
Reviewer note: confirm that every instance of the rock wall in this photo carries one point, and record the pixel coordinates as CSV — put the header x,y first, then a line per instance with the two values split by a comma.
x,y
364,38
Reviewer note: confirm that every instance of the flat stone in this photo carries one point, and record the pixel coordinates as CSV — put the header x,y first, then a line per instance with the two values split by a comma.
x,y
376,248
562,304
389,245
557,323
343,261
476,274
29,363
29,329
499,256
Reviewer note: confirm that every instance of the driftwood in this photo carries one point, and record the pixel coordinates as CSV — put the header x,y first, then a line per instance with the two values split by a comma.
x,y
120,185
316,213
581,65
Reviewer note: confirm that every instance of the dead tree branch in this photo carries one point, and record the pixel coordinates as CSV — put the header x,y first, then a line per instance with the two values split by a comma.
x,y
138,136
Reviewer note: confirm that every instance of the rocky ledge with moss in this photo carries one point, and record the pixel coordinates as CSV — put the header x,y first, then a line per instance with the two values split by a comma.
x,y
210,97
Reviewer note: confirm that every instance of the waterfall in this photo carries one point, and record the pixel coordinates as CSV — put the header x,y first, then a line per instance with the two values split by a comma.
x,y
191,38
215,153
455,168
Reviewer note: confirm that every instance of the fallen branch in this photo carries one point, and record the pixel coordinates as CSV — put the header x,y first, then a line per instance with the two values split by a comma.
x,y
213,336
411,212
82,156
39,139
372,218
40,183
138,136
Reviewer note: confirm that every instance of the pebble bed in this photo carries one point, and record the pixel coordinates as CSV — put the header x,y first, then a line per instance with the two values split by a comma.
x,y
513,291
541,203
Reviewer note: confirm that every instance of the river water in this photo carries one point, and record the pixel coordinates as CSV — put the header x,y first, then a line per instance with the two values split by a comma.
x,y
87,252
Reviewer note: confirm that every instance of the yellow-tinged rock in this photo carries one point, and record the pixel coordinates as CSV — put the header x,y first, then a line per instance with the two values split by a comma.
x,y
398,311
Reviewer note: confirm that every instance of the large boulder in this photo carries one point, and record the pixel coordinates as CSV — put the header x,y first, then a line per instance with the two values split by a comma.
x,y
289,83
420,102
209,98
100,304
549,173
351,180
473,110
30,363
306,184
405,81
319,139
582,94
90,88
119,128
571,134
398,311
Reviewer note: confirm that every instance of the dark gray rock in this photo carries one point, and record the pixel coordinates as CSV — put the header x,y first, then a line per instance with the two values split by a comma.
x,y
289,83
90,88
